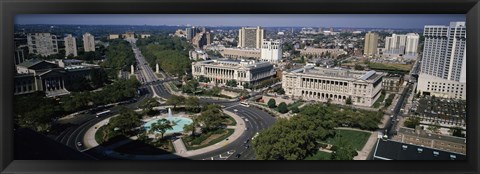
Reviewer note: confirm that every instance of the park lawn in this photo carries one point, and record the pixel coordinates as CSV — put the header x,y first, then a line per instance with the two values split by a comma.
x,y
394,67
230,120
379,101
320,155
295,104
356,139
209,141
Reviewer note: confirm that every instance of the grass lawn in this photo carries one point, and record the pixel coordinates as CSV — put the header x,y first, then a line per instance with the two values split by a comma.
x,y
173,87
379,101
219,137
356,139
320,155
230,120
296,104
393,67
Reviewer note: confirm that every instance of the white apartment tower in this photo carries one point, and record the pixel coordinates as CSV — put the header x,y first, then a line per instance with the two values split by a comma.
x,y
404,44
70,45
88,42
371,44
443,69
43,44
271,51
250,37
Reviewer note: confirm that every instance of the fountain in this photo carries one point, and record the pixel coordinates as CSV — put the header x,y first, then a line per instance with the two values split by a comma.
x,y
178,122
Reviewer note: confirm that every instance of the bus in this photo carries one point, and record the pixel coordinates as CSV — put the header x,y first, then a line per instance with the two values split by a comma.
x,y
103,113
244,103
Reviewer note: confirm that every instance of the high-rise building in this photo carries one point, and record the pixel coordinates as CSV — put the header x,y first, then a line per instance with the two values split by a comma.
x,y
88,42
402,44
189,33
43,44
443,68
250,37
271,50
371,43
70,45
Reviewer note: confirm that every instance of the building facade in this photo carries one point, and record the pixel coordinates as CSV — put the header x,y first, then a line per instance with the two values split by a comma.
x,y
70,45
241,53
443,67
250,37
392,83
88,42
402,44
335,85
371,44
43,44
243,72
271,51
322,52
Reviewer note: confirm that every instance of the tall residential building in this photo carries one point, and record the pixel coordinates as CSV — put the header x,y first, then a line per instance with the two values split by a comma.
x,y
411,48
201,39
43,44
70,45
404,44
371,43
88,42
250,37
443,68
189,33
271,51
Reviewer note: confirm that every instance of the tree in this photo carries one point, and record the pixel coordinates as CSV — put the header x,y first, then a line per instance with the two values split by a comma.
x,y
125,122
280,91
191,86
175,100
161,126
147,106
247,85
349,100
192,103
212,118
295,110
343,150
190,128
282,108
359,67
435,127
412,122
232,83
271,103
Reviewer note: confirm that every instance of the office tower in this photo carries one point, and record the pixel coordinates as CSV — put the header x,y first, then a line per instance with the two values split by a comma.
x,y
250,37
444,61
43,44
189,33
70,45
88,42
371,43
271,50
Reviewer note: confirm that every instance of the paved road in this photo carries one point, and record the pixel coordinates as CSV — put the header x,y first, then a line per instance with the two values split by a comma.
x,y
257,119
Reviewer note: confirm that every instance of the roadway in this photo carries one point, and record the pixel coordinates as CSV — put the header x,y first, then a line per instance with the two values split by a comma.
x,y
255,119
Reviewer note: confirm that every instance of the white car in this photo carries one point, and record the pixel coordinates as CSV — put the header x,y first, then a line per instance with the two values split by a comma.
x,y
235,110
79,144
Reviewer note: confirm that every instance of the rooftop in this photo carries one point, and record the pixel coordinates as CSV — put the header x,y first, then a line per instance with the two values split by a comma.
x,y
339,72
393,150
424,134
234,63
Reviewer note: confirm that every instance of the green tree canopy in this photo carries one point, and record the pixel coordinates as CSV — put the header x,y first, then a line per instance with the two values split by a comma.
x,y
271,103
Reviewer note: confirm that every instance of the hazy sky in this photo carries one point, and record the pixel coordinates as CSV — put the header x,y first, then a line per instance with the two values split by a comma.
x,y
266,20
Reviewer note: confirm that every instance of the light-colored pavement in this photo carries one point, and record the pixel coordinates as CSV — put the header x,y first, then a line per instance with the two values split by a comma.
x,y
181,150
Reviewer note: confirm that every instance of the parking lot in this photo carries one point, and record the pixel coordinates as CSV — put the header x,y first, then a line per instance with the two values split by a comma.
x,y
447,112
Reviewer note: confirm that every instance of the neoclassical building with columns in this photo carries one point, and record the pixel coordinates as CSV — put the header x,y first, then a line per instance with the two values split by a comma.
x,y
221,71
334,84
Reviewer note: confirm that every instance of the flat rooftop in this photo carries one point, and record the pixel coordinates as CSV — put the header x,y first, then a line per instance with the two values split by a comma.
x,y
339,72
393,150
234,63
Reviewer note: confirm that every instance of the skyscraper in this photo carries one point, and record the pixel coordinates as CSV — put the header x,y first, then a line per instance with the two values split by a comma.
x,y
43,44
371,43
70,45
189,33
271,50
88,42
250,37
411,48
443,68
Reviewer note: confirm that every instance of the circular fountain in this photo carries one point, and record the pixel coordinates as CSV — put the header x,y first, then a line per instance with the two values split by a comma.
x,y
178,122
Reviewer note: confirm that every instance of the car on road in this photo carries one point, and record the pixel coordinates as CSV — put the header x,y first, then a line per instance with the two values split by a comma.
x,y
235,110
246,128
79,144
237,155
246,141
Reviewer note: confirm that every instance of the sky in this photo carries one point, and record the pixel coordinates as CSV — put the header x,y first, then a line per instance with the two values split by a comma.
x,y
265,20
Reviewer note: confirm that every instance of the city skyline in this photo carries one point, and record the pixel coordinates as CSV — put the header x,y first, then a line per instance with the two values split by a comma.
x,y
406,21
